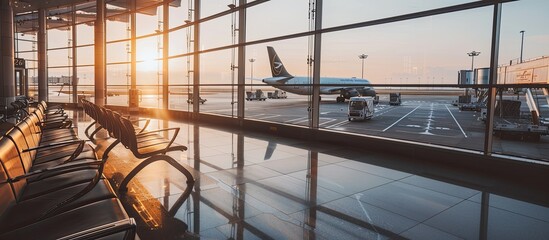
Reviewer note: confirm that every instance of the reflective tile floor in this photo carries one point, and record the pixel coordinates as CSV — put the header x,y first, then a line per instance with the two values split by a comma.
x,y
257,186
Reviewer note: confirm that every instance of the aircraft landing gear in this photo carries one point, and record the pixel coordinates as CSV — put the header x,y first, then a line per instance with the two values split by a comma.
x,y
340,99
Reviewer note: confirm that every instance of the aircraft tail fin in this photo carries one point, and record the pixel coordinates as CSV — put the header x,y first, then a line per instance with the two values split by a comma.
x,y
277,68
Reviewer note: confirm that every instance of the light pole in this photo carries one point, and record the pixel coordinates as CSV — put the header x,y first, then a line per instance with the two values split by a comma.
x,y
252,60
362,57
473,54
521,44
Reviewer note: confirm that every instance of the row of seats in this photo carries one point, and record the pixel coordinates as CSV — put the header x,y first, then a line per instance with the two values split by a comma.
x,y
52,185
144,144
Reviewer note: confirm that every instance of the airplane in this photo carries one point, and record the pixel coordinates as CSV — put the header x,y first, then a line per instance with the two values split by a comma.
x,y
283,80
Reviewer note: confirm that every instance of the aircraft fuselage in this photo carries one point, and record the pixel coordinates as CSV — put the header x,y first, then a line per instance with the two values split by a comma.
x,y
331,85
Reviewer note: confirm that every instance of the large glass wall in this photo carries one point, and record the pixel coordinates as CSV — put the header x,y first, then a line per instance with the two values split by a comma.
x,y
60,55
292,109
26,48
412,58
118,50
522,100
433,57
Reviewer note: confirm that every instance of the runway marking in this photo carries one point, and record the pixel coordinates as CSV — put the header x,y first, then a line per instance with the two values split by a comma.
x,y
456,121
429,120
339,124
329,121
273,116
255,116
401,119
296,120
381,112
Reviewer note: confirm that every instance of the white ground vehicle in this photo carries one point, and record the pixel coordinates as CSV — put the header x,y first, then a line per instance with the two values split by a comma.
x,y
361,108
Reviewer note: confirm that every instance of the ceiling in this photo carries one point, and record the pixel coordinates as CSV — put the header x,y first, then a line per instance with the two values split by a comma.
x,y
60,12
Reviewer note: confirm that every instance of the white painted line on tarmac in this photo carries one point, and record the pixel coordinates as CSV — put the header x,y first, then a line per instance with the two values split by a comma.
x,y
329,121
296,120
255,116
400,119
273,116
456,121
339,124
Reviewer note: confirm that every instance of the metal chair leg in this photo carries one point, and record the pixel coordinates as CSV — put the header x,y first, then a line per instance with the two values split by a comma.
x,y
124,184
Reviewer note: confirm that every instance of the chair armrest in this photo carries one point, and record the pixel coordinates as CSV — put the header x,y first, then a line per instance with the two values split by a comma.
x,y
55,145
159,130
147,121
126,225
51,169
74,154
176,129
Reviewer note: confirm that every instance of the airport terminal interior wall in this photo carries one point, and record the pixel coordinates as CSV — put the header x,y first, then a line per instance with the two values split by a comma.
x,y
218,57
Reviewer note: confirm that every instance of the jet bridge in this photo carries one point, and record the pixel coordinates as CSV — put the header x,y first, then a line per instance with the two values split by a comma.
x,y
535,71
535,123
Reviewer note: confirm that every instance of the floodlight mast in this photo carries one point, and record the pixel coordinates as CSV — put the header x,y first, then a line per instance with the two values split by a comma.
x,y
362,57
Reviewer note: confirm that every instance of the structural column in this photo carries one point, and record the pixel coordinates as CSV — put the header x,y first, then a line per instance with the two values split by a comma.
x,y
134,92
7,52
241,59
196,65
42,56
165,54
100,58
74,57
492,90
315,109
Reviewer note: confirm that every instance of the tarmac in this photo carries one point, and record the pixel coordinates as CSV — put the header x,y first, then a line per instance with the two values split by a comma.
x,y
420,118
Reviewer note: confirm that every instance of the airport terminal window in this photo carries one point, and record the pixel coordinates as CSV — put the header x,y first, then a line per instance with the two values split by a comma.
x,y
219,32
268,15
85,81
85,33
25,42
25,47
522,111
180,84
149,20
60,61
284,106
59,37
149,70
85,55
60,83
178,42
118,51
219,82
212,7
409,67
180,14
118,27
118,82
59,57
396,62
335,13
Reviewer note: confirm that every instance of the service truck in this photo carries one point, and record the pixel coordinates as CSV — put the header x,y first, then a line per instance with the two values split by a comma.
x,y
257,95
277,94
361,108
394,99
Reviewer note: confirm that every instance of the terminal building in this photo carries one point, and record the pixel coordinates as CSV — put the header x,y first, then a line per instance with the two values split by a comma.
x,y
138,119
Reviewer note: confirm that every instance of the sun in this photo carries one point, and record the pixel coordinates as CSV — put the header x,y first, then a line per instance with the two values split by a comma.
x,y
147,59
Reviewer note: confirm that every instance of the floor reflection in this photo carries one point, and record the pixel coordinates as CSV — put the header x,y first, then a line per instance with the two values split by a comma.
x,y
254,186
